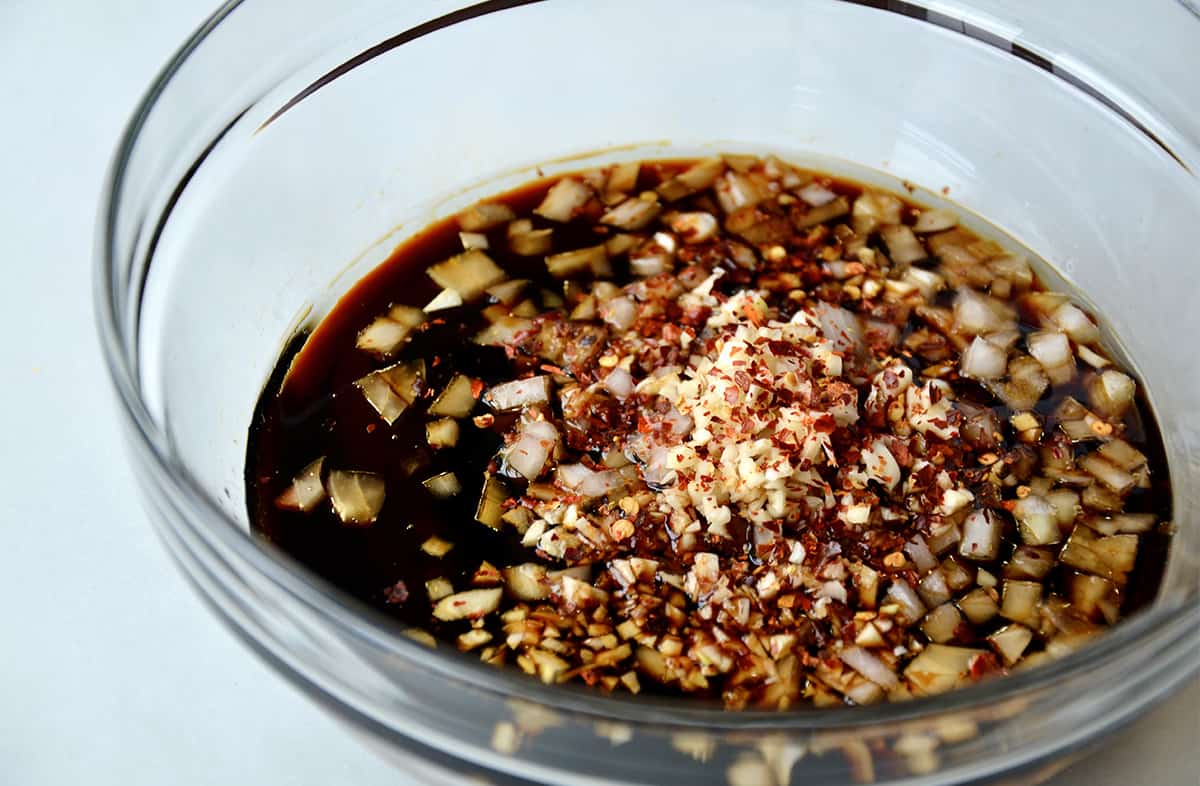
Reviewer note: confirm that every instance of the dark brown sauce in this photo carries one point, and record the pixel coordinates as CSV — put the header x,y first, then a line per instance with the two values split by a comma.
x,y
309,408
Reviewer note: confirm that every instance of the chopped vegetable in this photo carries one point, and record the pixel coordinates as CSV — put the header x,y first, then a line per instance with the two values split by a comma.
x,y
457,399
443,485
563,200
442,433
484,216
391,390
472,604
517,394
306,490
388,332
491,502
468,274
357,496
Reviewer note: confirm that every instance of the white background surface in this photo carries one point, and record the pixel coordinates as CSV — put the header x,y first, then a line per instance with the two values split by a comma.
x,y
111,672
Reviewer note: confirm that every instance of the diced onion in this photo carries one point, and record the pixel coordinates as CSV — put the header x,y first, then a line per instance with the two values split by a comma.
x,y
472,604
457,400
632,214
984,360
1053,351
816,194
935,220
1037,520
1111,392
870,666
306,490
619,382
485,216
527,456
357,496
518,394
975,313
620,312
902,594
981,536
1076,324
443,485
839,326
491,502
903,246
563,199
921,556
468,274
588,482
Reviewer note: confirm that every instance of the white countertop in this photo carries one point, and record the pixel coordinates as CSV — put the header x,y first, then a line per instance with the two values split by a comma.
x,y
111,671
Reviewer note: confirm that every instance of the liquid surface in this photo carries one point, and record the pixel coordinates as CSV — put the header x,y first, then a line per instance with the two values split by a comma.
x,y
313,408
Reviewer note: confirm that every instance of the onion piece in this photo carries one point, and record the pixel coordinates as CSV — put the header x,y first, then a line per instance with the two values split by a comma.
x,y
1116,479
839,326
491,502
388,332
1029,562
619,382
472,604
941,624
918,550
587,482
518,393
357,496
735,190
979,606
623,177
620,312
508,292
1019,601
633,214
983,360
873,209
1076,324
975,313
870,666
935,219
391,390
1010,642
1122,454
442,433
695,178
1052,349
816,194
592,259
1037,521
503,331
484,216
902,594
457,400
903,246
563,199
528,454
1091,357
1111,392
306,490
527,581
443,485
468,273
981,536
437,547
472,240
447,298
531,243
438,588
696,227
939,668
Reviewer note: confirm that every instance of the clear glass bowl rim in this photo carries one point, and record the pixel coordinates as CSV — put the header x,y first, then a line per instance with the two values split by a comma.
x,y
118,336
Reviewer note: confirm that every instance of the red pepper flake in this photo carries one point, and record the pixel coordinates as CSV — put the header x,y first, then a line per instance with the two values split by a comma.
x,y
553,370
395,594
476,388
752,314
370,428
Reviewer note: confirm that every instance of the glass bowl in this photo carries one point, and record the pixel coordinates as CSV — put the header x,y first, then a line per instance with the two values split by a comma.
x,y
283,153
